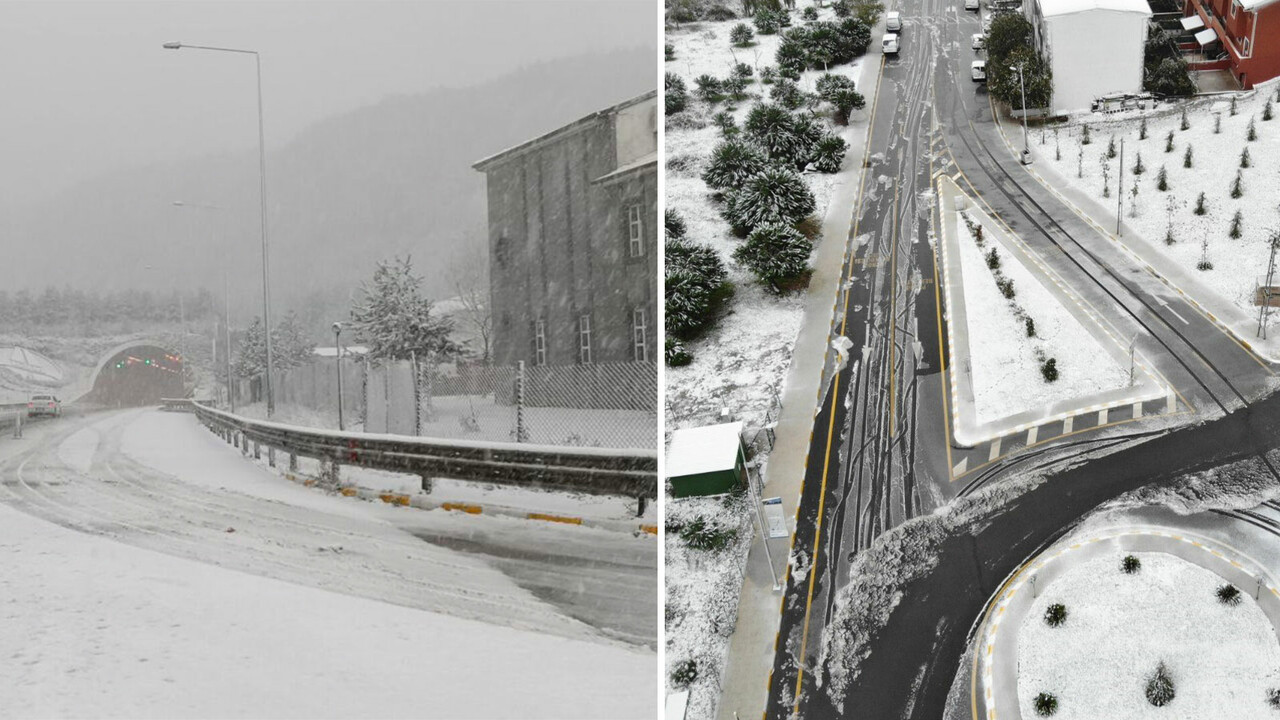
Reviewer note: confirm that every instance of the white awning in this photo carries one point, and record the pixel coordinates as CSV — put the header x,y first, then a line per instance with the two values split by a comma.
x,y
1204,37
1192,23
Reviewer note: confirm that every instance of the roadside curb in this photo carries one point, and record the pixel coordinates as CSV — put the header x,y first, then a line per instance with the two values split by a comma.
x,y
423,502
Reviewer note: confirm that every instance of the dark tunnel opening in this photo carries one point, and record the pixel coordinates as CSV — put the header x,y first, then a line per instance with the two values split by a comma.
x,y
139,375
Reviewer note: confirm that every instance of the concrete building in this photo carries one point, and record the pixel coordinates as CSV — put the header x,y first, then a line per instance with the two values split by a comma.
x,y
1094,47
1242,36
573,241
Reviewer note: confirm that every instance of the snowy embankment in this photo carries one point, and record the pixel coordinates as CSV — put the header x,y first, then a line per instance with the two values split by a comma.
x,y
1195,251
1119,627
95,628
739,364
1011,339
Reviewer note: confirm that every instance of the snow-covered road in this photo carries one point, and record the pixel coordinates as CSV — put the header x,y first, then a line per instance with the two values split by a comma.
x,y
154,588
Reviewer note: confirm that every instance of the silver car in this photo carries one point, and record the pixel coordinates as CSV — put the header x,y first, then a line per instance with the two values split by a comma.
x,y
44,405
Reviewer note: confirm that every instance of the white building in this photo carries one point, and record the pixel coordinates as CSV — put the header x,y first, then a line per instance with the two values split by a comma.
x,y
1094,47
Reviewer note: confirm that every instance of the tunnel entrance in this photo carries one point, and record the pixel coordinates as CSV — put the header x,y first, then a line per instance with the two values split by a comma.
x,y
139,375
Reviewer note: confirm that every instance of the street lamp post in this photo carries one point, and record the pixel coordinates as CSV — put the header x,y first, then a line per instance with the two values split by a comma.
x,y
1026,144
226,296
262,187
337,352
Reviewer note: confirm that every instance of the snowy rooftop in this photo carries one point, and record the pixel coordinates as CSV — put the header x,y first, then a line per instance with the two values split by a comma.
x,y
703,449
346,350
1067,7
1252,5
483,165
638,164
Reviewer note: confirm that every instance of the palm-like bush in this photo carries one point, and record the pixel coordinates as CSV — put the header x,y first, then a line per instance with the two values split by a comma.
x,y
1130,565
677,95
741,35
1055,615
784,137
774,195
775,253
828,153
731,163
1045,704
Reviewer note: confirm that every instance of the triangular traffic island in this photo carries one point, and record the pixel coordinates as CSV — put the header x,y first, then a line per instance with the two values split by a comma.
x,y
1024,349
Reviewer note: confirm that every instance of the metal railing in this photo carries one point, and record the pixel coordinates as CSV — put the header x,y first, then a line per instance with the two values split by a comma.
x,y
631,473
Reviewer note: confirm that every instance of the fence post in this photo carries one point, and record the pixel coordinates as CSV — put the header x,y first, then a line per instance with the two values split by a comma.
x,y
640,506
427,483
521,434
417,392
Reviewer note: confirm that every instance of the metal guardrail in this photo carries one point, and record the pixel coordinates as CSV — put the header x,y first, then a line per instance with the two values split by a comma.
x,y
595,471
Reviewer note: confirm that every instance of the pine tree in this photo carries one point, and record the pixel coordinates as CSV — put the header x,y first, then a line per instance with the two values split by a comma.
x,y
290,346
1138,167
1168,142
773,195
1217,123
251,356
1252,133
1244,158
1236,219
1106,180
775,253
1142,129
1233,106
393,318
1162,180
1111,148
1200,208
1266,111
1186,157
1080,163
1184,124
1160,687
731,163
1237,188
1085,139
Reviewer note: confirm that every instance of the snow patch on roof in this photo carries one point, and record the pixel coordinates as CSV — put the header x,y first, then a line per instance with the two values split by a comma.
x,y
1051,8
704,449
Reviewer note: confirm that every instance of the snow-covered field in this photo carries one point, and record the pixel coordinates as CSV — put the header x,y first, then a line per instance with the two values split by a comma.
x,y
741,363
1006,362
153,572
1239,265
1222,659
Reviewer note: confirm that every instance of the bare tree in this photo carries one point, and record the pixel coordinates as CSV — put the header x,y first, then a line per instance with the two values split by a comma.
x,y
469,277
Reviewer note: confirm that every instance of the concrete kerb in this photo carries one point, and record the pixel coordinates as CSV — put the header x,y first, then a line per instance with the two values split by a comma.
x,y
744,688
966,430
997,652
1224,315
423,502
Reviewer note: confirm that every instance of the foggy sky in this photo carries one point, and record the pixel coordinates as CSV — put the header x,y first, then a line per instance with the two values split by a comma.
x,y
87,88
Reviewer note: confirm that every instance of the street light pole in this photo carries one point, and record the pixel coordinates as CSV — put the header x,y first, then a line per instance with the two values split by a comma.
x,y
337,352
262,187
226,296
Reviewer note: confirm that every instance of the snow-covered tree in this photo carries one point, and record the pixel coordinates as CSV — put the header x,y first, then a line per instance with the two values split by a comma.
x,y
1252,133
708,88
695,286
774,195
1244,158
290,345
775,253
828,153
1168,142
731,163
1162,180
393,318
1186,157
1138,167
673,225
676,94
1160,687
779,133
1237,186
741,35
1234,232
251,356
1200,207
1142,128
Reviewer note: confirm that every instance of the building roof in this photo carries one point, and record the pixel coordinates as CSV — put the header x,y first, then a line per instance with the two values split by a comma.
x,y
574,126
712,448
1252,5
1050,8
636,165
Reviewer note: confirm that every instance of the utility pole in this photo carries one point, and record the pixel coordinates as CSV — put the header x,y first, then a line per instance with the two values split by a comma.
x,y
1264,310
1120,190
1026,144
337,353
764,532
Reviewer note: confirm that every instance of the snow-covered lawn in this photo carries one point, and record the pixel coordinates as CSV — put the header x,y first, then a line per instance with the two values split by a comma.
x,y
1239,265
740,364
1223,660
702,589
95,628
1005,362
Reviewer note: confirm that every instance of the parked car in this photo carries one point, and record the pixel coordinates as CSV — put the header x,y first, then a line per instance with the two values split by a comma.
x,y
893,21
971,5
978,70
979,41
889,45
44,405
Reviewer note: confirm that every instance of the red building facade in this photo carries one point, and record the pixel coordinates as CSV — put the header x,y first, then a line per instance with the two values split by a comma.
x,y
1248,32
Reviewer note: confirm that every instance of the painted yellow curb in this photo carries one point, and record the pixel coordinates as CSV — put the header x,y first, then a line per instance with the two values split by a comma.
x,y
394,499
555,518
462,507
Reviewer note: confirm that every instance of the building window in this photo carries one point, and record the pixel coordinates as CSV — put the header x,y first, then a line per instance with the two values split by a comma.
x,y
540,342
584,339
639,335
635,230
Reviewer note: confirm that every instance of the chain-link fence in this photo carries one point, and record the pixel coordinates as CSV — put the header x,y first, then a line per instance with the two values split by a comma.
x,y
613,405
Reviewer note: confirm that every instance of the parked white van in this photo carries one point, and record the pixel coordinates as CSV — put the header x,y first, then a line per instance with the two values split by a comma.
x,y
971,4
978,70
893,21
889,45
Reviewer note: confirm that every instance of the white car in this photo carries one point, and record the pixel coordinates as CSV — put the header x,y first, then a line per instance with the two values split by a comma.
x,y
971,4
978,70
979,41
889,44
44,405
893,21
